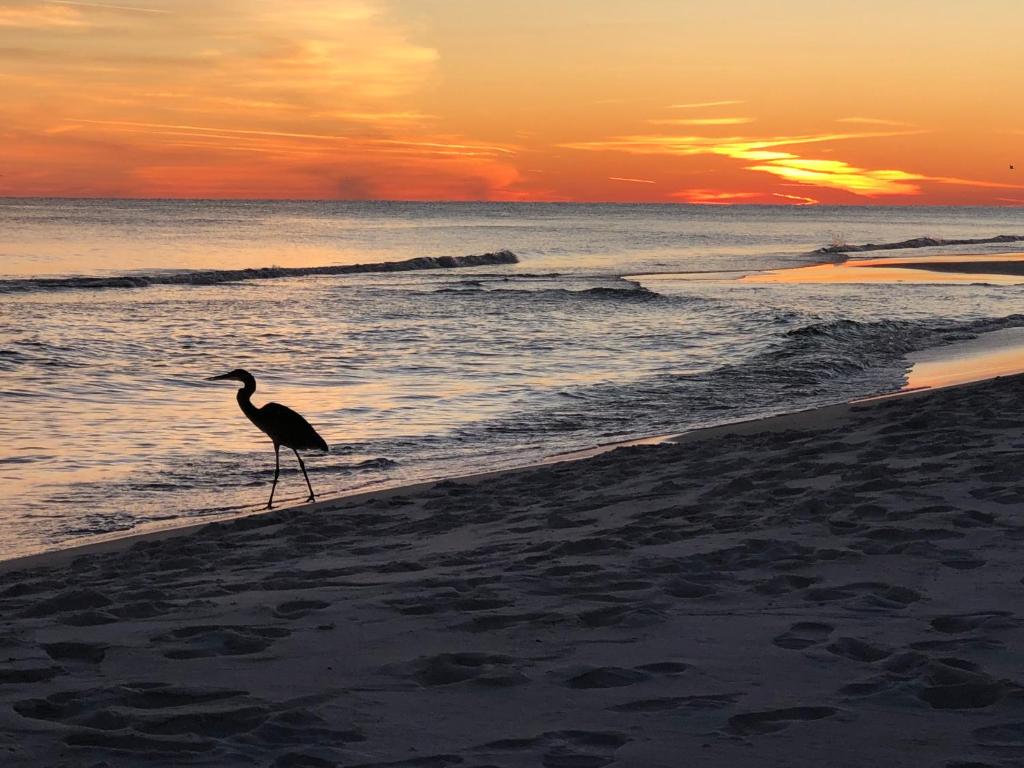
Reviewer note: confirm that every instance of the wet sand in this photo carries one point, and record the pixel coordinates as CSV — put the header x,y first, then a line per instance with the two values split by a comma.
x,y
838,587
1005,269
996,353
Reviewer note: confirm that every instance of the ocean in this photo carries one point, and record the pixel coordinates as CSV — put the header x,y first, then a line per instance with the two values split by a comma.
x,y
616,322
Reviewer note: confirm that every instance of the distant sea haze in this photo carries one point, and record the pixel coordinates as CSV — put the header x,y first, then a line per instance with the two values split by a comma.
x,y
562,334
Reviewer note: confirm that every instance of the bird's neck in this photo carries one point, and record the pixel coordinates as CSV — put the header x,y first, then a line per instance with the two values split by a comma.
x,y
244,396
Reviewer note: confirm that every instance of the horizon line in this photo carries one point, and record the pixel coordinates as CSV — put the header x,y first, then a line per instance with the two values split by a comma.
x,y
421,201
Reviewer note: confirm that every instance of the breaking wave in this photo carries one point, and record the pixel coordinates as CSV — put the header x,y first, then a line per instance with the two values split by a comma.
x,y
916,242
218,276
819,364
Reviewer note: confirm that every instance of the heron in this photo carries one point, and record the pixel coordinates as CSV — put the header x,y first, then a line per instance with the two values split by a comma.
x,y
280,423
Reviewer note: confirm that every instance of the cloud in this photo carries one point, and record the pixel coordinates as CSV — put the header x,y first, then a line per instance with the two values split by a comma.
x,y
714,197
799,200
321,98
633,181
216,132
743,147
705,104
318,56
108,7
720,197
839,175
357,188
974,183
703,121
767,157
41,16
872,121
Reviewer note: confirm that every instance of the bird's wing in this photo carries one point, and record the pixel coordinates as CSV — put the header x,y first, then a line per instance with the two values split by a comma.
x,y
289,428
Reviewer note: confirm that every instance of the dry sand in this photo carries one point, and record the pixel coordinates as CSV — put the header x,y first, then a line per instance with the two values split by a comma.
x,y
836,588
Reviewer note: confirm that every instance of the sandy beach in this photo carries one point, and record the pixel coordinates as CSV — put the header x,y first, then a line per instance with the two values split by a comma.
x,y
838,587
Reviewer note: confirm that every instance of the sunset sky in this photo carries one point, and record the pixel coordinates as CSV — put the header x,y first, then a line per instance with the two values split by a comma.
x,y
795,102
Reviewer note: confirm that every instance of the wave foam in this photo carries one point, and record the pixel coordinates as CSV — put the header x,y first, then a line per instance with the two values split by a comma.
x,y
917,242
218,276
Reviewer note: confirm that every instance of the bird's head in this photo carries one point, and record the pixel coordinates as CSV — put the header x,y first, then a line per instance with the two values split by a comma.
x,y
239,374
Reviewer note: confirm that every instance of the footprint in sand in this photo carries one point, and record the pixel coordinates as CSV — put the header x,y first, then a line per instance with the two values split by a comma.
x,y
484,669
784,583
639,615
144,720
804,634
616,677
1005,735
953,683
858,650
66,601
562,749
865,596
296,609
216,640
13,675
968,622
70,651
703,702
606,677
758,723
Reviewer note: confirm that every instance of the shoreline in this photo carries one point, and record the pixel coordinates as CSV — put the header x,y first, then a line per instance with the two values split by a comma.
x,y
931,359
113,542
1013,263
821,588
794,419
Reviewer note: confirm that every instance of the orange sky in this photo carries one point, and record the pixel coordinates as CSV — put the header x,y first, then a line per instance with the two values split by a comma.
x,y
737,101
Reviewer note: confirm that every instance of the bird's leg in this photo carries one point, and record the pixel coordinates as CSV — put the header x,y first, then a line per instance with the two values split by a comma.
x,y
311,496
277,473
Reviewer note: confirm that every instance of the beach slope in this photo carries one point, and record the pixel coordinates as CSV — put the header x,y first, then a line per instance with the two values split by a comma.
x,y
834,588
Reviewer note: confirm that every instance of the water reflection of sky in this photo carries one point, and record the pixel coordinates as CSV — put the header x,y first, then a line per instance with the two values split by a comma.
x,y
108,422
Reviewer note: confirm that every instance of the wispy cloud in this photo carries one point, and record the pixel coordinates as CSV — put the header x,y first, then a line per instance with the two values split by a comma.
x,y
798,199
210,129
974,183
743,147
633,181
108,7
719,197
872,121
767,158
41,16
702,121
377,118
839,175
704,104
714,196
236,134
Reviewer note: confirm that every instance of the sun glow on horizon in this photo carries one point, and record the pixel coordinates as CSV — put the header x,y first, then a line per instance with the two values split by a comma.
x,y
457,100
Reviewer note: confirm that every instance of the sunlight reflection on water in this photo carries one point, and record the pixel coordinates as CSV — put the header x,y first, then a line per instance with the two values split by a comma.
x,y
109,424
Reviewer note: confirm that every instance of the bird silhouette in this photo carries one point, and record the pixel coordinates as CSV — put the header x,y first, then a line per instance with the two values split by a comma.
x,y
280,423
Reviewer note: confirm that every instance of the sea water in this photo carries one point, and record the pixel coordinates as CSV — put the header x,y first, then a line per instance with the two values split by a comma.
x,y
107,424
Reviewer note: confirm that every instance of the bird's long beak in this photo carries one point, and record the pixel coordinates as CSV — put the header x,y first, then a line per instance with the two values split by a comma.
x,y
220,378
